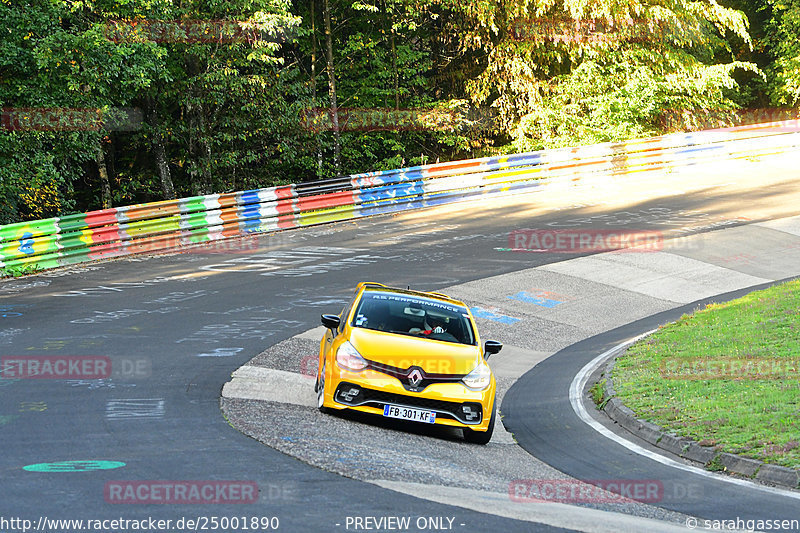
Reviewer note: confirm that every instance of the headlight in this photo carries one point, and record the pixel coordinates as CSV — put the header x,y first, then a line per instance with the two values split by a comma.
x,y
348,357
479,378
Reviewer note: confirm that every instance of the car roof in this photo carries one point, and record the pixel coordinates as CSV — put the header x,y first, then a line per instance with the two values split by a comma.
x,y
377,287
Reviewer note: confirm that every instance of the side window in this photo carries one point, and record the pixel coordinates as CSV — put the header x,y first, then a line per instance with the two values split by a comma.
x,y
344,313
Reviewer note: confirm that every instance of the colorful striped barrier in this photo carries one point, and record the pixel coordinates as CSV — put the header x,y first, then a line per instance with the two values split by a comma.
x,y
160,226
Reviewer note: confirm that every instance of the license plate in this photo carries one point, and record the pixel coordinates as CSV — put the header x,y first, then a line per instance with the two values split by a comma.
x,y
409,413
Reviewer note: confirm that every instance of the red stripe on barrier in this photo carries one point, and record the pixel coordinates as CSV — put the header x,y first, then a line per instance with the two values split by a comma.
x,y
324,201
154,210
284,207
451,166
286,191
287,221
101,217
105,234
102,251
230,219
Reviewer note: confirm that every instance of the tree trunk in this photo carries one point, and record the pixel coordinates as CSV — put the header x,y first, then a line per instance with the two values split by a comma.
x,y
160,154
313,54
395,80
102,171
314,81
332,86
199,167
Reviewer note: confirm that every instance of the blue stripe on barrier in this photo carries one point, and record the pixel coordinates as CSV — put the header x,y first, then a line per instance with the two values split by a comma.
x,y
250,197
391,193
382,209
249,217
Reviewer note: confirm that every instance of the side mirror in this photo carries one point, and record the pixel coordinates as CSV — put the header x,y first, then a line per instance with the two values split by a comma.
x,y
330,321
491,347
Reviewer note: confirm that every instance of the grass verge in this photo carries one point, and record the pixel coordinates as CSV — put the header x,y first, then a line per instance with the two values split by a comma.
x,y
727,376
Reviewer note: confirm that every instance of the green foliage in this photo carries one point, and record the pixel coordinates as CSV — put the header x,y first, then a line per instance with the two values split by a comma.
x,y
598,392
783,31
19,271
570,72
715,465
225,87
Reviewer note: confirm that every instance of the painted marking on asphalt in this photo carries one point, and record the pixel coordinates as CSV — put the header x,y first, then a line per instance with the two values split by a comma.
x,y
5,382
7,419
7,334
575,398
538,297
120,286
492,313
253,326
266,263
32,406
74,466
96,384
101,317
16,287
221,352
271,385
6,312
180,296
118,409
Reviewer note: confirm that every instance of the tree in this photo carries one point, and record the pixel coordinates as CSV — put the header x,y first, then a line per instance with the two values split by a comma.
x,y
783,30
572,72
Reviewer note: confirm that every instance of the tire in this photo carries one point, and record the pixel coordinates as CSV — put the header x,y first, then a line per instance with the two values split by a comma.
x,y
481,437
319,387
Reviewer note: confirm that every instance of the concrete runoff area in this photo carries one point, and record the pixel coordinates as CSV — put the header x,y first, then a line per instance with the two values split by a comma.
x,y
564,300
660,275
588,520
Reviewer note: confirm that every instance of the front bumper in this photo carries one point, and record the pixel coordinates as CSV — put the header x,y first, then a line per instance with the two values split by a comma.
x,y
353,395
370,391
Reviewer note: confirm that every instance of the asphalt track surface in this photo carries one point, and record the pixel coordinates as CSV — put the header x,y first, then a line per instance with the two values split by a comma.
x,y
546,425
188,320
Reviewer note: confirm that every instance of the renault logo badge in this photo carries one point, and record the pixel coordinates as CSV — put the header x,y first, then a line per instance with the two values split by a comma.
x,y
415,377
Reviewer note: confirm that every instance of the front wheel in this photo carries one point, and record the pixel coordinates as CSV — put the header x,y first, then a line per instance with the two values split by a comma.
x,y
320,388
481,437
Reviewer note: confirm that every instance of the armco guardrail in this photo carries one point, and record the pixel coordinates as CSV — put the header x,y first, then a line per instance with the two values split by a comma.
x,y
171,224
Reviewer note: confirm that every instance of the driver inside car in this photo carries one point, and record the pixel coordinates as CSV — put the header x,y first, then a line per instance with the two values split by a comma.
x,y
431,324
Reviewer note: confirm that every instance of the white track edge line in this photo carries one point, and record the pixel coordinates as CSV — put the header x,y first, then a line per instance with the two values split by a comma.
x,y
575,394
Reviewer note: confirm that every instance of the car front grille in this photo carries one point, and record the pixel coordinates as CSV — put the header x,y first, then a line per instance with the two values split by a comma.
x,y
470,413
404,376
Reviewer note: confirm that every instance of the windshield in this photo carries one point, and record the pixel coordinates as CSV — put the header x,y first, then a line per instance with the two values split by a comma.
x,y
414,316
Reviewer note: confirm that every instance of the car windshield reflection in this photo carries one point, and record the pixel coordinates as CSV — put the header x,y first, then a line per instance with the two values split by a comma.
x,y
414,317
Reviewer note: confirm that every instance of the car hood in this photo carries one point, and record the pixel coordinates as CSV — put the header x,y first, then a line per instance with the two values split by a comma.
x,y
401,351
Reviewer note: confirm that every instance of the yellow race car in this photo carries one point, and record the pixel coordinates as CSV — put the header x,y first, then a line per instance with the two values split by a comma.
x,y
408,355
